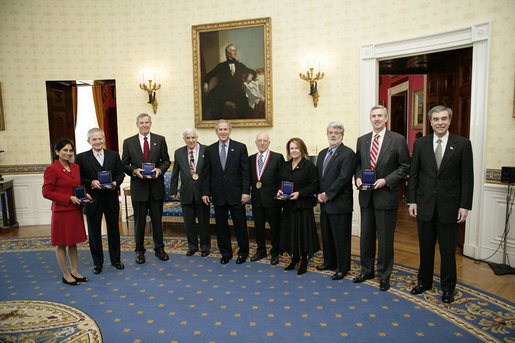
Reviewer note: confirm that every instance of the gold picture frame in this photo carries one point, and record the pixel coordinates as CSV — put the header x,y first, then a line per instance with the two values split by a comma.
x,y
2,122
243,95
419,108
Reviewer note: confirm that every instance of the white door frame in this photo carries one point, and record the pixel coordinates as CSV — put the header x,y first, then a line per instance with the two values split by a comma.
x,y
475,36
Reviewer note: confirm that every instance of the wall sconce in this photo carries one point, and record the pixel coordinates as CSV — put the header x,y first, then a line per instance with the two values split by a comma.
x,y
151,88
312,78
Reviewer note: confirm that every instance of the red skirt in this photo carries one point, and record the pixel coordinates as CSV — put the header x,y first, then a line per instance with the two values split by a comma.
x,y
67,227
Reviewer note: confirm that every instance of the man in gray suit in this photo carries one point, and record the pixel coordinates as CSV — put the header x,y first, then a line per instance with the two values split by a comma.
x,y
146,193
440,191
336,166
188,164
386,153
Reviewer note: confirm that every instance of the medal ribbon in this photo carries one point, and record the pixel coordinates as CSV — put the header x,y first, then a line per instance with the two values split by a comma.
x,y
192,162
259,173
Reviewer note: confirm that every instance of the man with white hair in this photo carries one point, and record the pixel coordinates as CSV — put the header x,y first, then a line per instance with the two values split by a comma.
x,y
189,162
264,177
106,202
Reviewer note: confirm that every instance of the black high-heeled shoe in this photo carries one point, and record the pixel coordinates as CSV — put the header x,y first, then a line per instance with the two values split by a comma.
x,y
72,283
80,279
303,266
293,263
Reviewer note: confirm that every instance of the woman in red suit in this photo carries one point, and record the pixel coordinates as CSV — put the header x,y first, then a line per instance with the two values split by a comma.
x,y
67,226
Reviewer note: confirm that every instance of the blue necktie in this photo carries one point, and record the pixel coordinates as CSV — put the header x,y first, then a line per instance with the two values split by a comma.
x,y
223,157
326,160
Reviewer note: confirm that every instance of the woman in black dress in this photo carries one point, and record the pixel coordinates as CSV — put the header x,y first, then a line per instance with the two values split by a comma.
x,y
298,231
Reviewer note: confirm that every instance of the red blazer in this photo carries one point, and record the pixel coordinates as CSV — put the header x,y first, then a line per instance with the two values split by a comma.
x,y
58,185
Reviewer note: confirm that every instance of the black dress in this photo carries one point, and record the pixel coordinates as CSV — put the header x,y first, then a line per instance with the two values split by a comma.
x,y
298,231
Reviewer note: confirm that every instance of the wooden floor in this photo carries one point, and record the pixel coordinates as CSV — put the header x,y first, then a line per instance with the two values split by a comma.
x,y
470,272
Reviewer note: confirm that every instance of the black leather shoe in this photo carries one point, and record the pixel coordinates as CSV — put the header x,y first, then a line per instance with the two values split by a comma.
x,y
419,289
338,276
447,297
241,260
384,285
257,257
97,269
119,265
190,252
303,267
362,277
274,260
324,267
80,279
72,283
140,258
205,254
225,260
161,254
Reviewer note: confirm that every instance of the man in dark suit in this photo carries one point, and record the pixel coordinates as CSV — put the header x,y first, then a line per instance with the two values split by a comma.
x,y
336,166
146,193
264,176
440,191
227,99
226,178
386,153
106,202
188,164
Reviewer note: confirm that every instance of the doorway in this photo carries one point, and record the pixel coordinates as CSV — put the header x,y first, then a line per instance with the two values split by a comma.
x,y
476,36
62,101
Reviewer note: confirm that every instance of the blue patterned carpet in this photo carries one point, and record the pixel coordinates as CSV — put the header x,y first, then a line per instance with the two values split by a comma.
x,y
196,299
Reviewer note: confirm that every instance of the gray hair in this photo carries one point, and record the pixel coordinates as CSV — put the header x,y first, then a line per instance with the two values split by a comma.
x,y
93,130
438,109
227,48
379,107
188,131
222,121
141,115
336,125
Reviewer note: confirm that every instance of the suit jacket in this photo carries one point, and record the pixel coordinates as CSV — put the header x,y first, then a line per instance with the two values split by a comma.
x,y
392,164
226,186
337,180
270,181
228,83
190,189
133,158
449,188
89,168
58,186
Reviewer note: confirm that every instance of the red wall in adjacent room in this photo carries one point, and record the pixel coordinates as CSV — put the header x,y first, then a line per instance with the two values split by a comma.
x,y
415,83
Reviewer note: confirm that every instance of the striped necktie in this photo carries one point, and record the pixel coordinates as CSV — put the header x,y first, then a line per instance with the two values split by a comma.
x,y
374,152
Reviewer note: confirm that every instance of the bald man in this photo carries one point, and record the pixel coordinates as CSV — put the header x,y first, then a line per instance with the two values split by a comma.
x,y
264,180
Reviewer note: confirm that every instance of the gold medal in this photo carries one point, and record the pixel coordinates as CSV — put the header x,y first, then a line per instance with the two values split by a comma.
x,y
194,176
259,185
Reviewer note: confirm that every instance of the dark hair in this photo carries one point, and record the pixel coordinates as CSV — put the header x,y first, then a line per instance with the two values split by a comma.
x,y
300,143
61,144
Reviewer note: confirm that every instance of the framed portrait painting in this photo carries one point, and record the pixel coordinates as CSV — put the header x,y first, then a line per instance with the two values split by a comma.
x,y
232,73
417,120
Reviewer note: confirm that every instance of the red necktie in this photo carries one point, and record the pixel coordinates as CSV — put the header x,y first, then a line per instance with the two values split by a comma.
x,y
374,151
146,149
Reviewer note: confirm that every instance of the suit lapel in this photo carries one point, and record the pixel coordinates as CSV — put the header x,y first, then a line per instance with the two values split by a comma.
x,y
200,161
430,153
449,152
137,148
335,155
387,140
366,149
